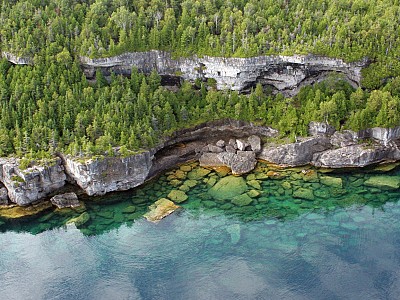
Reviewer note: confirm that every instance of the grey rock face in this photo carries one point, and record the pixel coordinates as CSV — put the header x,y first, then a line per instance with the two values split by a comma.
x,y
285,73
320,128
241,144
3,196
383,135
255,143
354,156
97,177
295,154
239,163
220,143
65,200
215,149
344,138
32,184
16,60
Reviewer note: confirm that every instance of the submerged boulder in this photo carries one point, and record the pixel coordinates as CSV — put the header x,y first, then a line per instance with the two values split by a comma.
x,y
177,196
242,200
304,193
160,209
79,220
384,182
332,181
228,187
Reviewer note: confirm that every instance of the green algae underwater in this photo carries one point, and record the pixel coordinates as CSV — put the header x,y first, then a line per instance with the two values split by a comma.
x,y
270,193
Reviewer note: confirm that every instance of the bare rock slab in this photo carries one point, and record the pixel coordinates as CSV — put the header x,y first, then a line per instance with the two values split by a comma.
x,y
160,209
65,200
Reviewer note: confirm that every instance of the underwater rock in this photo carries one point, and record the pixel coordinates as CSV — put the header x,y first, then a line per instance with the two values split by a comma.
x,y
242,200
228,187
309,175
235,233
80,220
253,193
65,200
255,184
385,182
185,168
198,173
177,196
331,181
190,183
16,212
160,209
129,209
304,193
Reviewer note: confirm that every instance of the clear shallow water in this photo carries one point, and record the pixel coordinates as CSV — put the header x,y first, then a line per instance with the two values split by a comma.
x,y
344,247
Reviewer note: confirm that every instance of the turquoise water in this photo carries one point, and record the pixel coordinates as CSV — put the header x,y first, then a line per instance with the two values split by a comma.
x,y
343,244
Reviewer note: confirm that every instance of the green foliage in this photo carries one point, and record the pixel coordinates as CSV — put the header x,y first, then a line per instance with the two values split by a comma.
x,y
50,106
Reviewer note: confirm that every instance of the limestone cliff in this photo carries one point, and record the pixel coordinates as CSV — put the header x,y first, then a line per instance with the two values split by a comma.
x,y
108,174
284,73
16,60
32,184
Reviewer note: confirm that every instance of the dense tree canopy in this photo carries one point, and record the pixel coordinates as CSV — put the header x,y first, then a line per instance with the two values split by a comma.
x,y
50,106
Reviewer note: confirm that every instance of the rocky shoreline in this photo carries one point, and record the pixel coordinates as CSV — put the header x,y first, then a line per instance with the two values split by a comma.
x,y
225,143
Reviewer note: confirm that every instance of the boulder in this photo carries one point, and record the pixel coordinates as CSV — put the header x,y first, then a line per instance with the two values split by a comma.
x,y
198,173
232,142
239,163
242,200
295,154
177,196
210,160
234,231
3,196
228,187
383,182
65,200
331,181
160,209
304,193
344,138
215,149
354,156
241,144
255,184
255,143
230,149
220,143
320,128
80,220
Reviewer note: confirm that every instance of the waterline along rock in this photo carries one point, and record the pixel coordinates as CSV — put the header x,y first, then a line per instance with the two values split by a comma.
x,y
214,144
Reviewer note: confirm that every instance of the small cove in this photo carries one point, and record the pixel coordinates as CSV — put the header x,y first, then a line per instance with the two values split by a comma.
x,y
283,234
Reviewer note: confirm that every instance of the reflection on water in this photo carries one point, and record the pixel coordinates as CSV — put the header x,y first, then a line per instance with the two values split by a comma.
x,y
303,235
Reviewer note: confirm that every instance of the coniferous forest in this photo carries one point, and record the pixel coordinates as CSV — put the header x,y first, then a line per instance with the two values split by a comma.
x,y
50,106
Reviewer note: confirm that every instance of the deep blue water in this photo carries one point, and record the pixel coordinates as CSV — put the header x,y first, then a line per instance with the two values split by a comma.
x,y
350,252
